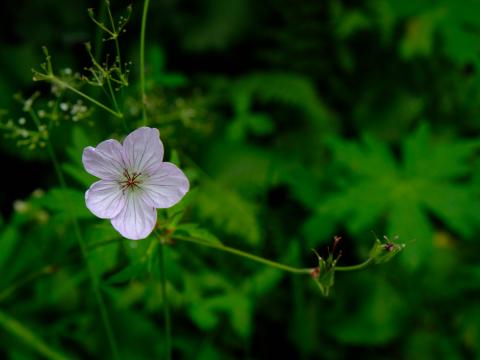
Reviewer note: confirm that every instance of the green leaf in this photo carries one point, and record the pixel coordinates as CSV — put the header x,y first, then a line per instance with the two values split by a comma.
x,y
228,211
426,158
375,319
74,167
127,274
434,176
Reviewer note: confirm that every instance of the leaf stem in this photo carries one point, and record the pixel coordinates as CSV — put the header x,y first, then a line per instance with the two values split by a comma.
x,y
142,59
166,305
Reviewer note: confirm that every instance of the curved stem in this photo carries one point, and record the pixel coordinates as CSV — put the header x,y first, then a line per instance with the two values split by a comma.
x,y
354,267
166,306
142,59
246,255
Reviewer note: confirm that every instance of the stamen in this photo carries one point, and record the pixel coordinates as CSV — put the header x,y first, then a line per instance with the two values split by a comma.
x,y
131,180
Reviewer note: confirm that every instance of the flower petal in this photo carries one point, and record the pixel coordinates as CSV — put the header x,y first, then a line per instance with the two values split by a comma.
x,y
166,187
143,150
105,199
105,161
137,219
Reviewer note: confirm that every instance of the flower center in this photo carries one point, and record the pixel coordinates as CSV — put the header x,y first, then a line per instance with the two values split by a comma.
x,y
131,180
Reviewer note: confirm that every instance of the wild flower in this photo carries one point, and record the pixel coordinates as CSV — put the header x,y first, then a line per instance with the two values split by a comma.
x,y
134,182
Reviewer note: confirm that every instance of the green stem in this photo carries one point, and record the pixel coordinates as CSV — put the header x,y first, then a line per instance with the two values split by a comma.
x,y
115,38
262,260
354,267
61,83
112,95
142,59
166,306
32,340
245,255
83,248
98,34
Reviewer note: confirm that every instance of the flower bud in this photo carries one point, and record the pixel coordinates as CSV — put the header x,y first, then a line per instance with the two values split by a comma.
x,y
324,274
382,252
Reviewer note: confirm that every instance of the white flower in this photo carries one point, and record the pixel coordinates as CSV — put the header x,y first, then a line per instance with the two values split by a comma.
x,y
134,182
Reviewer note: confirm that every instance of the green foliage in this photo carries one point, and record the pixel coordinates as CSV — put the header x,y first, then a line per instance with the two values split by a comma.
x,y
454,21
289,89
294,122
228,211
432,176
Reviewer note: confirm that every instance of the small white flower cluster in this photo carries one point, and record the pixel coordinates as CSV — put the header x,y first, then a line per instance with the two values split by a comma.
x,y
30,139
76,111
32,129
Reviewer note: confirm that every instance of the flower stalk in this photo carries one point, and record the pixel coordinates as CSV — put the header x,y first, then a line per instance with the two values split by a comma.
x,y
323,274
142,60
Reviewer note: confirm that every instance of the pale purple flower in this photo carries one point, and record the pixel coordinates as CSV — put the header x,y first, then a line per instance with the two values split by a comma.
x,y
134,182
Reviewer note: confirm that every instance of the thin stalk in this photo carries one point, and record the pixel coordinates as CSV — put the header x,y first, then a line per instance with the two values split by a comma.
x,y
246,255
61,83
142,59
166,305
267,262
115,38
354,267
82,245
98,34
112,95
29,337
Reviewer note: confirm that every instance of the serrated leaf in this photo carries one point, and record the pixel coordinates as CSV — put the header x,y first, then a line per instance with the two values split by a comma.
x,y
432,177
229,211
376,319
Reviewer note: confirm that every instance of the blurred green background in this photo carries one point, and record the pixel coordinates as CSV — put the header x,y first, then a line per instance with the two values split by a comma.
x,y
295,122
